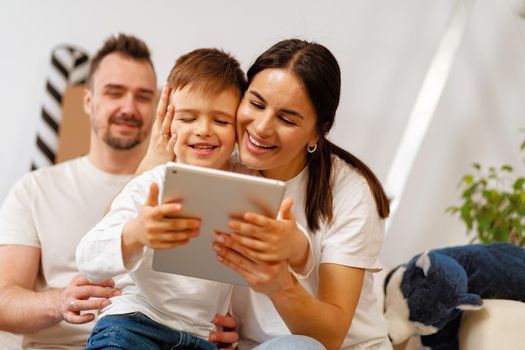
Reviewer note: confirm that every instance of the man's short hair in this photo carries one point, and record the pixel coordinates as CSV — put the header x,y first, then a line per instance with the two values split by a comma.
x,y
128,45
209,71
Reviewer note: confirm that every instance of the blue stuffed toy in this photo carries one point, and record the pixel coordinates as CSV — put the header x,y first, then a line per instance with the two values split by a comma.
x,y
427,296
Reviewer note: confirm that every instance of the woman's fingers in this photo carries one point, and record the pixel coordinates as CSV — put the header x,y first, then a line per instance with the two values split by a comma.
x,y
225,334
165,113
258,275
253,249
172,142
251,229
264,277
244,266
236,246
247,242
236,260
166,123
243,228
226,322
257,219
162,106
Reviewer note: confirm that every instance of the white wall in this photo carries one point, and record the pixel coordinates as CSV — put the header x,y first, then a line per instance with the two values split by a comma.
x,y
478,119
384,48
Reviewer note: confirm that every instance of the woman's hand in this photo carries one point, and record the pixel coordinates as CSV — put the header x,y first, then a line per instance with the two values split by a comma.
x,y
161,142
156,227
260,238
263,277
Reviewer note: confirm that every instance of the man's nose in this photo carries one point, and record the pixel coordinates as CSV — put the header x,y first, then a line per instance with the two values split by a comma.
x,y
128,105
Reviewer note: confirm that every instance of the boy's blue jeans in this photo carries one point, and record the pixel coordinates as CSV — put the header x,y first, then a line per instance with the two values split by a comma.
x,y
137,331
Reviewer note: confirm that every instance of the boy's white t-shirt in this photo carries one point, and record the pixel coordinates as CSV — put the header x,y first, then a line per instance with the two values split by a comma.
x,y
52,208
353,239
179,302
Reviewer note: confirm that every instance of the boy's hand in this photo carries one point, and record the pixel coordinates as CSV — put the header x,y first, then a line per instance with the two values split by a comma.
x,y
260,238
156,226
225,336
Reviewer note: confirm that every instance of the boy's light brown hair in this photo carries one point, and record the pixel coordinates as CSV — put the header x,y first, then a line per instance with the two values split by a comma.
x,y
209,71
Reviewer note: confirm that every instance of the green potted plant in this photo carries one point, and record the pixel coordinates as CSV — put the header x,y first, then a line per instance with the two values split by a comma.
x,y
493,204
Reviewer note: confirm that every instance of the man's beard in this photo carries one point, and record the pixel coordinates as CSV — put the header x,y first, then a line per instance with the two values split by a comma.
x,y
124,143
121,143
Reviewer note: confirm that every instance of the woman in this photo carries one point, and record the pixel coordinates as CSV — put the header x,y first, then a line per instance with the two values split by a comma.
x,y
288,109
282,121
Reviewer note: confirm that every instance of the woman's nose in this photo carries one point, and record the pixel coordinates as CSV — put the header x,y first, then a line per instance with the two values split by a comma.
x,y
264,124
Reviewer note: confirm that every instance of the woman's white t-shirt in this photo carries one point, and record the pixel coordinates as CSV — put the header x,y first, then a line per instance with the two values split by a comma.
x,y
354,238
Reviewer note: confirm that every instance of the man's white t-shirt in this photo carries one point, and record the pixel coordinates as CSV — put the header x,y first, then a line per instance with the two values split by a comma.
x,y
51,209
353,239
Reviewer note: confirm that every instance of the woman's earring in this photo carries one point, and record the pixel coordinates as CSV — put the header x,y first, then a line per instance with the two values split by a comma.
x,y
311,149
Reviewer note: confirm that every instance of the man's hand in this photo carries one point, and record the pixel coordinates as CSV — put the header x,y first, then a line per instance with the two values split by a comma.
x,y
225,336
75,299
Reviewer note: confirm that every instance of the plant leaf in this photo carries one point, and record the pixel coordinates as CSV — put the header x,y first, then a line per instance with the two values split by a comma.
x,y
485,222
452,210
470,191
468,179
465,215
518,184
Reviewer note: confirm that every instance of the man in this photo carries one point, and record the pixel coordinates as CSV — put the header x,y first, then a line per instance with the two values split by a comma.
x,y
47,212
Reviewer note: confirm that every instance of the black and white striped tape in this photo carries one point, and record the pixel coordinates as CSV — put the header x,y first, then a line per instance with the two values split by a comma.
x,y
69,66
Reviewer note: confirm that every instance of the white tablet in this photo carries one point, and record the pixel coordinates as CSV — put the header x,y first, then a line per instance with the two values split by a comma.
x,y
214,196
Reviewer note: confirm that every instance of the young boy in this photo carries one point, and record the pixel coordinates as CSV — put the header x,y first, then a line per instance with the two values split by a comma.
x,y
163,309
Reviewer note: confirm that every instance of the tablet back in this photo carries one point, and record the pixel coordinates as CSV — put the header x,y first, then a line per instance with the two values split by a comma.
x,y
215,196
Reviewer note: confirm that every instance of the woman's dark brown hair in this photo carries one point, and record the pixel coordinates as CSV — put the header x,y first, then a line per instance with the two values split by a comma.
x,y
319,72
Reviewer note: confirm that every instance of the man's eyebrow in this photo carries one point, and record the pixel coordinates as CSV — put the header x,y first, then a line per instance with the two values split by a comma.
x,y
122,87
113,86
284,110
146,91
